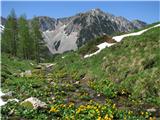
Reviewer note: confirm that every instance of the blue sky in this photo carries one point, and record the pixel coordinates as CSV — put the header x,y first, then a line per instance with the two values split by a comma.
x,y
142,10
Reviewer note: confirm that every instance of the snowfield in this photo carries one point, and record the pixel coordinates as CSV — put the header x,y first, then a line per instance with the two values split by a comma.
x,y
118,39
101,47
3,102
1,28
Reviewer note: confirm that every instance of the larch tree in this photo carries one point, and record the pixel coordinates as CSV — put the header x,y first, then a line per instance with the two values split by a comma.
x,y
10,35
25,41
37,37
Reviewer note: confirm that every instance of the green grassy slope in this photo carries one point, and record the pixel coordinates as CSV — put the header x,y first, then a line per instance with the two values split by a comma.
x,y
10,65
132,65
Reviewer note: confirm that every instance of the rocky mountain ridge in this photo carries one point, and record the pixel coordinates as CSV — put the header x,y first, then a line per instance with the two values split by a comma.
x,y
73,32
70,33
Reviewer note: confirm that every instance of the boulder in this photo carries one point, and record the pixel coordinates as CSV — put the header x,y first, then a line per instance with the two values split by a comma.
x,y
151,110
77,82
27,73
34,103
49,65
21,74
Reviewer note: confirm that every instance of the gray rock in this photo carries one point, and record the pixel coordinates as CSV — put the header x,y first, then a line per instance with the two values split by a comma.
x,y
151,110
21,74
139,24
47,23
27,73
34,102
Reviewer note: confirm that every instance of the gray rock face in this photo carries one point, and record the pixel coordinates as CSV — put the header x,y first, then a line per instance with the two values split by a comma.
x,y
2,21
47,23
70,33
139,24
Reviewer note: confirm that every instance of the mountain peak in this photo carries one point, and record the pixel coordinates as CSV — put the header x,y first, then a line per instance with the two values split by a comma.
x,y
96,10
72,32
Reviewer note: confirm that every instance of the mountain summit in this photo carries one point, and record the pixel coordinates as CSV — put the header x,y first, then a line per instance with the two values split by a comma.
x,y
65,34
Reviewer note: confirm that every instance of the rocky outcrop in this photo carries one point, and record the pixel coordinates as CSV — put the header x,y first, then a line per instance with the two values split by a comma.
x,y
139,24
34,103
27,73
3,21
47,23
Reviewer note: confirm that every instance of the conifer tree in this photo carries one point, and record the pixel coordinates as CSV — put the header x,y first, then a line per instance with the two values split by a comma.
x,y
7,37
37,37
25,41
10,35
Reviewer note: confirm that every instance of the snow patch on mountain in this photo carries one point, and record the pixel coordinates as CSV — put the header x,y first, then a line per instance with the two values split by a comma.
x,y
101,47
118,39
1,28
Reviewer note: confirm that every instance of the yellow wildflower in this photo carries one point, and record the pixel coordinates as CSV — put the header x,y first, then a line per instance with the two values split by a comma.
x,y
130,112
146,115
152,118
71,104
107,117
53,109
114,106
99,118
142,113
61,106
123,91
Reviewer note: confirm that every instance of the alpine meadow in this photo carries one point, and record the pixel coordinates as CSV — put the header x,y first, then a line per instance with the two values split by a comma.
x,y
85,65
